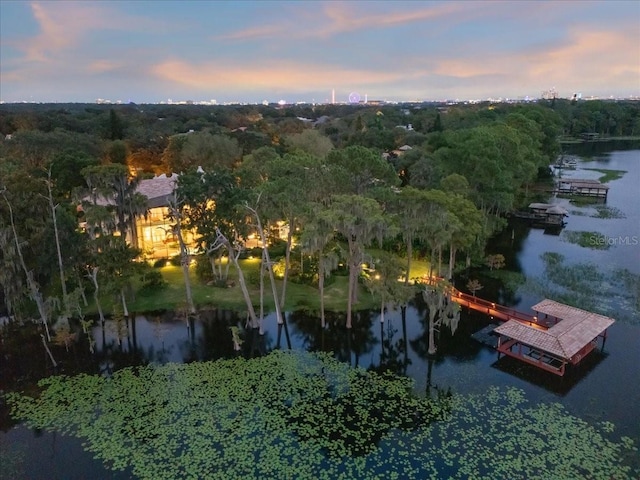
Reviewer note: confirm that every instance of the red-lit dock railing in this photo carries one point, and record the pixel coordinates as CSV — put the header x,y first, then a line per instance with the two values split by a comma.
x,y
489,308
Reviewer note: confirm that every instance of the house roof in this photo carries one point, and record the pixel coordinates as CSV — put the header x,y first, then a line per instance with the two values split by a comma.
x,y
575,329
157,189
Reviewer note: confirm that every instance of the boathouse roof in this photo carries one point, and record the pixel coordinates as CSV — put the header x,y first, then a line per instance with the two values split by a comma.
x,y
574,330
550,208
584,183
540,206
556,210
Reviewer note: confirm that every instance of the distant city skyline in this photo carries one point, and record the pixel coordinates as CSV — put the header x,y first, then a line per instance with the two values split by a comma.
x,y
317,52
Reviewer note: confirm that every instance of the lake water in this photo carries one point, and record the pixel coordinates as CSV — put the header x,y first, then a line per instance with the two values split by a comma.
x,y
605,387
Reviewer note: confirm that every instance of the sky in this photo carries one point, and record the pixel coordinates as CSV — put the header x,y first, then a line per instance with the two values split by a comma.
x,y
316,51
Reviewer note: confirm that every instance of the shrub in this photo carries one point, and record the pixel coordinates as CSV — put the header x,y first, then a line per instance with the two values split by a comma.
x,y
203,268
159,263
152,280
277,249
253,278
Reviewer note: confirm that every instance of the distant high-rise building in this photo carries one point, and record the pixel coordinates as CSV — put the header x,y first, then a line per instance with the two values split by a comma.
x,y
333,96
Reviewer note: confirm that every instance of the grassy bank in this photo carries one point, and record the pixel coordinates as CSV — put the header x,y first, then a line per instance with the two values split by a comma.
x,y
299,296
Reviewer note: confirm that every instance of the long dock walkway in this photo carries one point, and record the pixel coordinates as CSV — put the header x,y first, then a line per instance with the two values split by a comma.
x,y
492,309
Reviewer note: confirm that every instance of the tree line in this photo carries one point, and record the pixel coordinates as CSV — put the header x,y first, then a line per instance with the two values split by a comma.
x,y
320,170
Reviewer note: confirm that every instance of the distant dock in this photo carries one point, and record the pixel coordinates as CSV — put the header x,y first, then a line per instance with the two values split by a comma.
x,y
578,187
583,187
544,215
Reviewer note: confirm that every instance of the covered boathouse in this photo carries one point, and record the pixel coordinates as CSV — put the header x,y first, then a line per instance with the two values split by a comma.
x,y
561,335
583,187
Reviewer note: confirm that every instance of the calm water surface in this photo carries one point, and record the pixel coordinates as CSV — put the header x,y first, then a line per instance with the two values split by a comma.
x,y
605,387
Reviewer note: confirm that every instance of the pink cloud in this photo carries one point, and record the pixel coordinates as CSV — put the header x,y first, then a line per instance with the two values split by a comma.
x,y
102,66
343,18
590,50
589,59
254,32
64,24
54,34
280,75
337,17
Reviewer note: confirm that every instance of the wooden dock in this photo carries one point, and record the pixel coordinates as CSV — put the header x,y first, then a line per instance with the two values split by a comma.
x,y
582,187
538,339
494,310
544,215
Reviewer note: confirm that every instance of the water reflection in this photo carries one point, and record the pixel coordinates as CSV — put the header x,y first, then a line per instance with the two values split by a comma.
x,y
560,386
399,344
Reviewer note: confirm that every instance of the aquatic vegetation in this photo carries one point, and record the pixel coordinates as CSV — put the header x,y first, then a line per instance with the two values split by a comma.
x,y
511,281
505,437
301,415
601,211
588,286
580,200
594,240
577,276
608,175
630,286
607,212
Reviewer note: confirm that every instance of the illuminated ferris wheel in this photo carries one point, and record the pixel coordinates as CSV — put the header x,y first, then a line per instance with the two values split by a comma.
x,y
354,97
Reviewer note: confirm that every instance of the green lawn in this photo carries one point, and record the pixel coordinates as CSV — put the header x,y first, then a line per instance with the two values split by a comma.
x,y
173,296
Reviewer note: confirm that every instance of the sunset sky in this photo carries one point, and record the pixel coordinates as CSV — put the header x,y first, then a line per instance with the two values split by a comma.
x,y
299,51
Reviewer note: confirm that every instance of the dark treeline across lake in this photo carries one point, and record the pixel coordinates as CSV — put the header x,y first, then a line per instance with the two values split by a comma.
x,y
604,388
